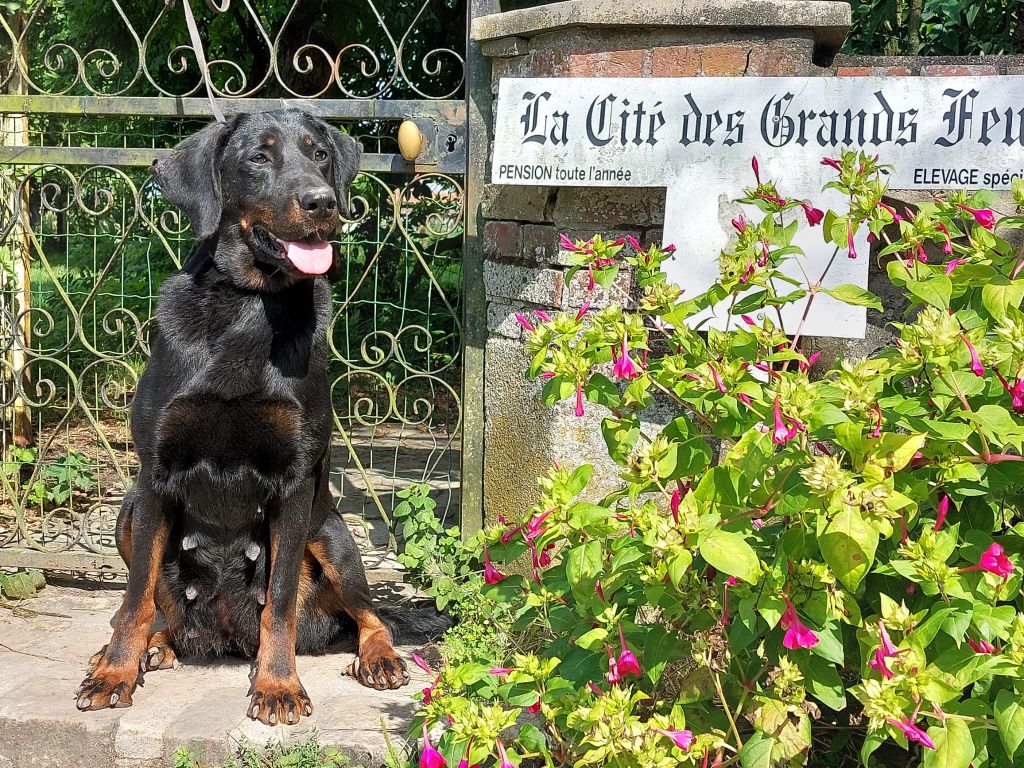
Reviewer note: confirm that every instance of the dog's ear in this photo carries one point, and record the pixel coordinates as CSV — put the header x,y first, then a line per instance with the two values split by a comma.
x,y
346,153
190,177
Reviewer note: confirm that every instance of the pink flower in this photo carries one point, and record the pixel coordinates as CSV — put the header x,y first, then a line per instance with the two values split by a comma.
x,y
579,400
590,278
891,210
673,504
832,163
921,255
505,763
757,523
491,574
534,527
502,671
798,635
739,224
717,379
943,510
566,244
947,246
757,170
879,665
976,367
912,732
627,663
624,368
730,582
634,243
953,264
772,198
682,739
748,320
887,645
981,646
782,433
994,561
806,365
850,250
544,316
814,215
983,216
1016,391
582,310
613,675
594,689
534,708
748,273
764,253
523,321
419,662
877,431
430,757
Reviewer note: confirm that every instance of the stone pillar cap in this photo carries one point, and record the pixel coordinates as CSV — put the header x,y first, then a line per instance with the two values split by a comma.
x,y
829,19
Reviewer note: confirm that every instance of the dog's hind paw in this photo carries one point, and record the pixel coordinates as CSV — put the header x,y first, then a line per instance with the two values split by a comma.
x,y
380,669
159,653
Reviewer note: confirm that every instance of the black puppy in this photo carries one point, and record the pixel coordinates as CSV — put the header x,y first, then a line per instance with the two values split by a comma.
x,y
230,530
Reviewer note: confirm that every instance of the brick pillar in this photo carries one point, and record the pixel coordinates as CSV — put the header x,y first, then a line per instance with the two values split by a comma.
x,y
524,269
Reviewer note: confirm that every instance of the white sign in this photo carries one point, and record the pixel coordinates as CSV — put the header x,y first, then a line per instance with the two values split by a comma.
x,y
696,136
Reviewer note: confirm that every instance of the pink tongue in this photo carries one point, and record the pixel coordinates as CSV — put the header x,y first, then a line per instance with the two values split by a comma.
x,y
311,259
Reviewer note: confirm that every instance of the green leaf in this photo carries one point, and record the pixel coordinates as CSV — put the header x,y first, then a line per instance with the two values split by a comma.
x,y
21,586
854,294
620,435
729,553
1009,712
756,752
848,545
532,739
593,639
999,293
823,681
583,568
935,290
954,747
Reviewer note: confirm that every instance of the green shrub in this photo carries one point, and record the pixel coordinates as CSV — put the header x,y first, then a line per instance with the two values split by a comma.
x,y
806,563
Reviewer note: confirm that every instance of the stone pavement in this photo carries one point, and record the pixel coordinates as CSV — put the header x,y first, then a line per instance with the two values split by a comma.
x,y
200,705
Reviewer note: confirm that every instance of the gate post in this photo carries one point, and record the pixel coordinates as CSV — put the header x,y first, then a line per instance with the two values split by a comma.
x,y
524,269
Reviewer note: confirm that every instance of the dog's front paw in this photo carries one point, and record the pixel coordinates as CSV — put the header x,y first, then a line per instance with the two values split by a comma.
x,y
108,685
279,701
379,666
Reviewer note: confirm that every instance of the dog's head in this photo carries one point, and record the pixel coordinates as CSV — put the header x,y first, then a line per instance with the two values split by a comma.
x,y
270,185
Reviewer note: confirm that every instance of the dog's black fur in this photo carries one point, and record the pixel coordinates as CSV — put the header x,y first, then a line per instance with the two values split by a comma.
x,y
230,530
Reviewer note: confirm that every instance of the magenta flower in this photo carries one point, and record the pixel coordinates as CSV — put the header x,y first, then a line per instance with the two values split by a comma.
x,y
814,215
850,250
594,689
982,646
634,243
505,763
947,246
764,253
624,368
976,367
745,399
613,675
798,635
627,663
953,264
832,163
748,273
887,645
995,561
502,671
566,244
673,504
730,582
891,210
877,431
921,255
808,363
534,528
419,662
682,739
534,708
582,310
717,379
579,400
983,216
748,320
590,278
430,757
1016,391
524,321
544,316
772,198
943,510
783,432
757,523
879,665
739,224
912,732
491,574
757,170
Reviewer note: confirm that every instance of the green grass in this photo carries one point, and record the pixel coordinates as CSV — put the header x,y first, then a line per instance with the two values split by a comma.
x,y
306,754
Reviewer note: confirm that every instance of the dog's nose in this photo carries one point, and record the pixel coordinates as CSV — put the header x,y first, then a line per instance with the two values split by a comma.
x,y
320,200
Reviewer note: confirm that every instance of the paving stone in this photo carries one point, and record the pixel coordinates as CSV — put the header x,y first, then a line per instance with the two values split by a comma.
x,y
202,705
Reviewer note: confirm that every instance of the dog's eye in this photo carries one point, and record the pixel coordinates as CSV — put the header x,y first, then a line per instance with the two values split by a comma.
x,y
259,158
319,155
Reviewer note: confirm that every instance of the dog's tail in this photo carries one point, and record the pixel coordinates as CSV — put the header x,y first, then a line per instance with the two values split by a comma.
x,y
415,621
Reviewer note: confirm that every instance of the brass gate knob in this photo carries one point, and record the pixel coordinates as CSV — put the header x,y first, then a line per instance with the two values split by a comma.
x,y
410,140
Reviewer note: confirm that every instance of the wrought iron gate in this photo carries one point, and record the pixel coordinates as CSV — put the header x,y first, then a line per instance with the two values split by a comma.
x,y
90,93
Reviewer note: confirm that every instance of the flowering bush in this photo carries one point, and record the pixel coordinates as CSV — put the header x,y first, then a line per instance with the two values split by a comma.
x,y
802,556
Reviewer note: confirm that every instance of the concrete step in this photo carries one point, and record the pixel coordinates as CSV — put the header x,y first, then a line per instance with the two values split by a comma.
x,y
201,705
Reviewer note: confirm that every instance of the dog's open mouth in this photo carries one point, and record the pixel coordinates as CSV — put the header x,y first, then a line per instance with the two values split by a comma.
x,y
310,255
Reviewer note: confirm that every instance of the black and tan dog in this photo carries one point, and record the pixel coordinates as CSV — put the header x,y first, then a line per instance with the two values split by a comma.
x,y
230,530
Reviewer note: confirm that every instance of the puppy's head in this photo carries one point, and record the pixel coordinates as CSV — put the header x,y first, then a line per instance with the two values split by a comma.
x,y
272,184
